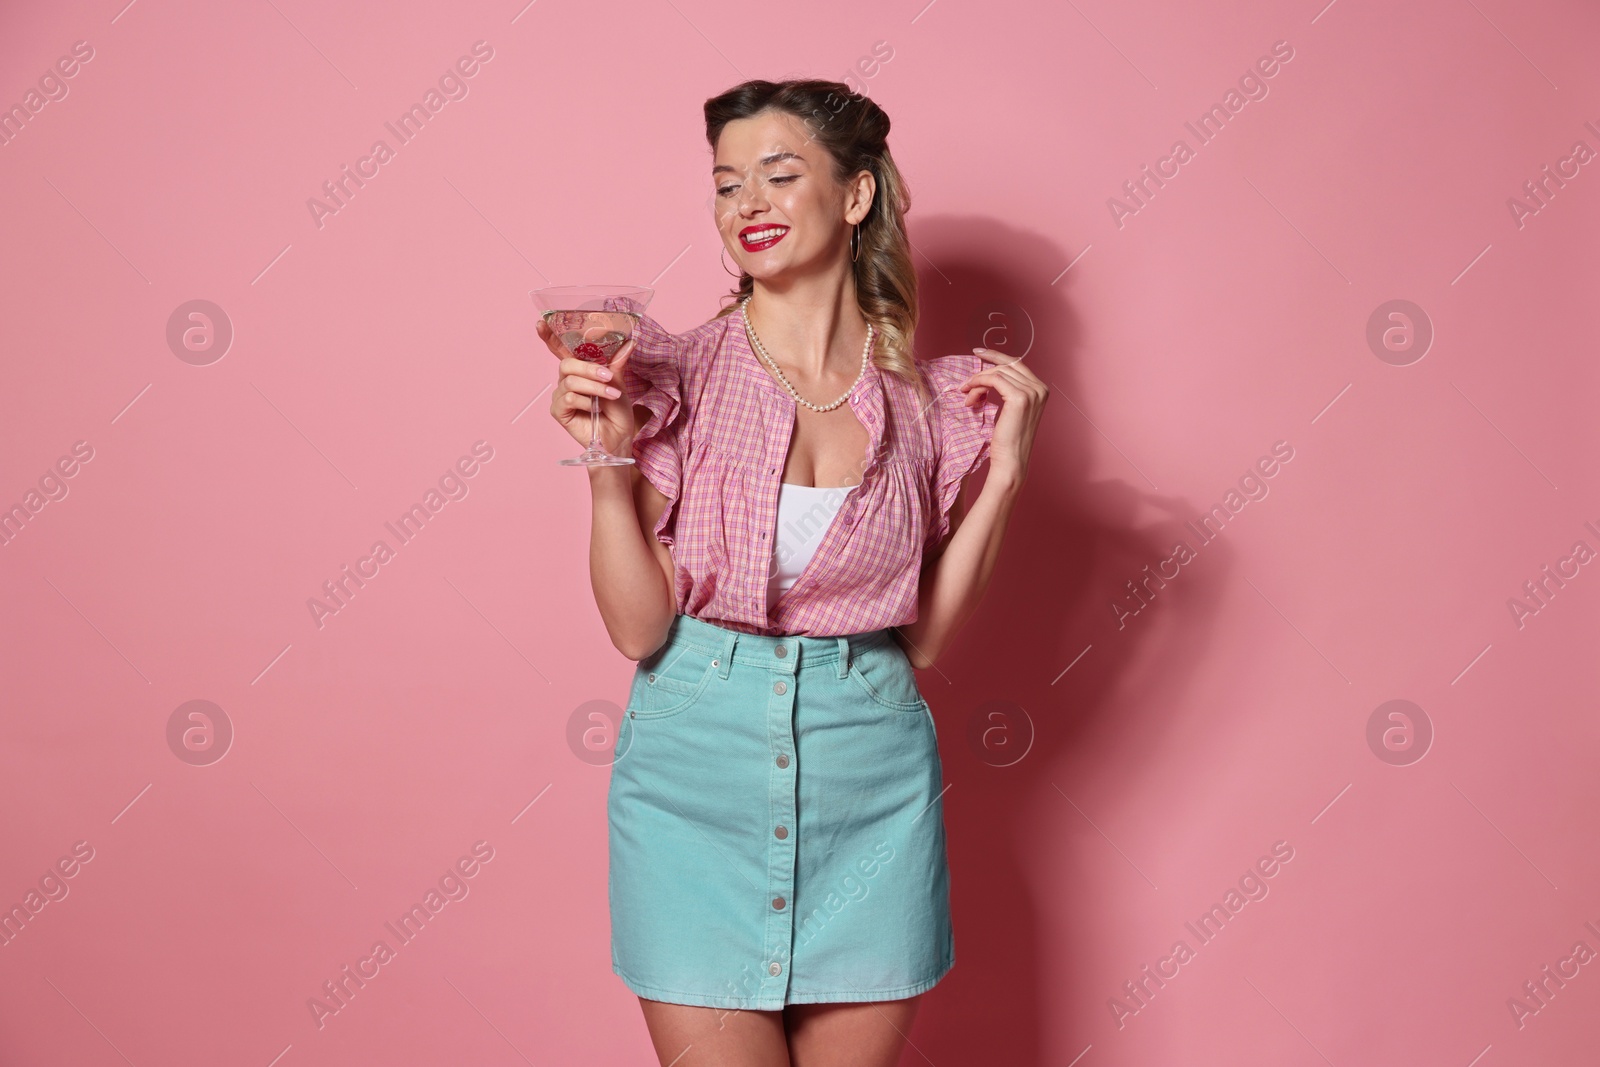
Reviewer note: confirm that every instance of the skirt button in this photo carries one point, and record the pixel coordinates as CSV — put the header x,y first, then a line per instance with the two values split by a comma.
x,y
780,689
781,832
777,903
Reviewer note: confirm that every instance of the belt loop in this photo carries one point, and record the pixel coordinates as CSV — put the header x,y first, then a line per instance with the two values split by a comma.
x,y
726,664
844,657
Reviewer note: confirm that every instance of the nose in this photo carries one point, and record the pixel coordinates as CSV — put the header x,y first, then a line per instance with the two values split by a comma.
x,y
752,196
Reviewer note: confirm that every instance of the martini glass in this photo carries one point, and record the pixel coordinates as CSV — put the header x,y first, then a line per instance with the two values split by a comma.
x,y
592,322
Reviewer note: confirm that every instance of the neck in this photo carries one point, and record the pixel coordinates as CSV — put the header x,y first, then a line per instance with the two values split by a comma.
x,y
812,328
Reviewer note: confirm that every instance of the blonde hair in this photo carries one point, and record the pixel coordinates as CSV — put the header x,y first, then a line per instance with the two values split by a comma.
x,y
854,130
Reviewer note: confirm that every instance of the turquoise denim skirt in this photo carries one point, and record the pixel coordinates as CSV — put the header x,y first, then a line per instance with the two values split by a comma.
x,y
776,830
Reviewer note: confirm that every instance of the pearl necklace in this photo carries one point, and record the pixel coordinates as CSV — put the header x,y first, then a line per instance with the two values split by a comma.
x,y
866,355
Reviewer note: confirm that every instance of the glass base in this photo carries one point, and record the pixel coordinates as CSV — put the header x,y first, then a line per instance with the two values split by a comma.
x,y
595,457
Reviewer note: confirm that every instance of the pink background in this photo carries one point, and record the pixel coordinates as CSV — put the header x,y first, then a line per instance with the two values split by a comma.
x,y
370,754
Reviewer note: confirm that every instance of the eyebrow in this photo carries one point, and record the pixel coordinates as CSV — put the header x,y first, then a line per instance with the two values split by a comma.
x,y
773,158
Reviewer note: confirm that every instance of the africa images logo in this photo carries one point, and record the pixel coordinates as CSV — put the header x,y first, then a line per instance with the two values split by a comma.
x,y
452,86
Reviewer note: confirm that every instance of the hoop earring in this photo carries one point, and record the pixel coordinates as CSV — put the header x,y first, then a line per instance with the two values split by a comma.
x,y
722,258
855,242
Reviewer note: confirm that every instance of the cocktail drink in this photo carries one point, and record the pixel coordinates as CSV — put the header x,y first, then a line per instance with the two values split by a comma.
x,y
592,322
594,336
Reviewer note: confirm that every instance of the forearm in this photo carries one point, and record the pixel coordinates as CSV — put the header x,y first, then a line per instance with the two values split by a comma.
x,y
953,584
630,588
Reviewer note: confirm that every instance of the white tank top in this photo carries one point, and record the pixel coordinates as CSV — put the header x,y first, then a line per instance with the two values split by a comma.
x,y
804,514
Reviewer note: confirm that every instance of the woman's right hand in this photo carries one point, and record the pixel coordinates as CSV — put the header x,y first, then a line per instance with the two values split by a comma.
x,y
579,380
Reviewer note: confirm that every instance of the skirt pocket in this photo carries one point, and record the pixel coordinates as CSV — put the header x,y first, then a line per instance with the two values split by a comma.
x,y
670,681
883,672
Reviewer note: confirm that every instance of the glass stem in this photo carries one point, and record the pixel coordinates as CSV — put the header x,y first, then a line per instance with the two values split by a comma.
x,y
594,425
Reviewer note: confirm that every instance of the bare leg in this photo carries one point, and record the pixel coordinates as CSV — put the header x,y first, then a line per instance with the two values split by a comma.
x,y
688,1036
868,1034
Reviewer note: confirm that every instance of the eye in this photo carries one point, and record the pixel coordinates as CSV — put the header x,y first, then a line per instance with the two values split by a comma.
x,y
726,189
785,178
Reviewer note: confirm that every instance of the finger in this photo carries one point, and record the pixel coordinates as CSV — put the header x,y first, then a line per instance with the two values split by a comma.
x,y
587,387
994,355
1019,377
985,379
573,403
575,367
1001,381
1005,360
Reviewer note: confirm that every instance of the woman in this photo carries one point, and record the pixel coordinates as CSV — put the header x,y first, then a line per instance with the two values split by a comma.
x,y
787,547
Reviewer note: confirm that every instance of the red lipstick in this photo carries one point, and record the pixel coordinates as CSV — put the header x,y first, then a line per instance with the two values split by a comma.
x,y
771,233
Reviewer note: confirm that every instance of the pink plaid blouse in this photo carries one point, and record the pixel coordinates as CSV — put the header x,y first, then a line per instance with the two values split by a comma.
x,y
715,444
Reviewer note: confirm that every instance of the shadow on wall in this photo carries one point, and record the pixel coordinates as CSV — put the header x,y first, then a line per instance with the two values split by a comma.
x,y
1020,908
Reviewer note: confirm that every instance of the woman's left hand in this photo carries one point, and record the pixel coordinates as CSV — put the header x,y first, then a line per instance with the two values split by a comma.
x,y
1022,396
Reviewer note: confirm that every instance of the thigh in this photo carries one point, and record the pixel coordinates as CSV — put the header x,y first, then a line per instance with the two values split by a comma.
x,y
685,1035
869,1034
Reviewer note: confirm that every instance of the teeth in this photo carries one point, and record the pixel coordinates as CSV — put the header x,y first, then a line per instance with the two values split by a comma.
x,y
762,235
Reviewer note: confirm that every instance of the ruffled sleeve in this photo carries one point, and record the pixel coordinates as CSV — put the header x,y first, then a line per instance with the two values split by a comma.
x,y
652,377
963,434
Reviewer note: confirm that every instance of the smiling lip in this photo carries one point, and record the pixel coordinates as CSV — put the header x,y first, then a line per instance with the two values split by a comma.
x,y
744,237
